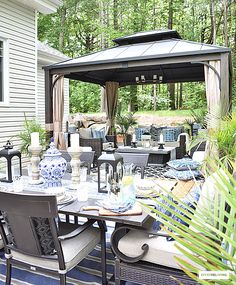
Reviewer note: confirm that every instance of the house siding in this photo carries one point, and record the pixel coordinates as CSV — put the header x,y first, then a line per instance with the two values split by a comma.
x,y
17,25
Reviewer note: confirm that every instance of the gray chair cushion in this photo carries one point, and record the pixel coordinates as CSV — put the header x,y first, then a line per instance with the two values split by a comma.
x,y
161,251
1,242
74,250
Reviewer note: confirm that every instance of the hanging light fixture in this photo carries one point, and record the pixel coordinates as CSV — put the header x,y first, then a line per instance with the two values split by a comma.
x,y
155,79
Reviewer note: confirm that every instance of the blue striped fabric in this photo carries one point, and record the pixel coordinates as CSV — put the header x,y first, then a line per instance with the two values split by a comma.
x,y
88,271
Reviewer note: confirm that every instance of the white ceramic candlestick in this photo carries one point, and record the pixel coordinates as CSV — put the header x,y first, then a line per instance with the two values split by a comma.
x,y
35,159
75,166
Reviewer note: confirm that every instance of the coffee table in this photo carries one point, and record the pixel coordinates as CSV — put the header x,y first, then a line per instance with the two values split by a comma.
x,y
156,155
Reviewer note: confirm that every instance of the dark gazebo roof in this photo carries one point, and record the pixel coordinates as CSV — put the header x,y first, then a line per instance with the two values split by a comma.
x,y
162,54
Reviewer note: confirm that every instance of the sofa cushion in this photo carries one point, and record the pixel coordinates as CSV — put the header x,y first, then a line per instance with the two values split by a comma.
x,y
99,133
184,164
169,135
85,133
140,131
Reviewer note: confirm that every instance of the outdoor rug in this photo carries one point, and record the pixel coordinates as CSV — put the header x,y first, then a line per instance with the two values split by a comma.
x,y
155,171
87,272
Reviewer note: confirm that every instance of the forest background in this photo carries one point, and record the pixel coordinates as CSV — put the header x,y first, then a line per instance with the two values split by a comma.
x,y
80,27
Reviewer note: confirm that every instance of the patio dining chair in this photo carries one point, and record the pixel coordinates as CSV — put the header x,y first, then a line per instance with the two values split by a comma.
x,y
137,159
147,257
38,241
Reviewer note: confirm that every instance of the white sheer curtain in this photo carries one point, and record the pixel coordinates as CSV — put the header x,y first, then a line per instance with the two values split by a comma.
x,y
213,94
111,95
58,112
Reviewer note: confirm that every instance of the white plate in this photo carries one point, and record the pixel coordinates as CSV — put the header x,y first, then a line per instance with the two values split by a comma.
x,y
67,198
143,184
4,189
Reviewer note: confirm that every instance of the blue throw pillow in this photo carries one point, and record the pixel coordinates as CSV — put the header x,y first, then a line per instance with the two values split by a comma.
x,y
169,135
99,134
182,174
139,132
190,200
184,164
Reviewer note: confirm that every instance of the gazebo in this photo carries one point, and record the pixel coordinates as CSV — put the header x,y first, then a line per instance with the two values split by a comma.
x,y
148,57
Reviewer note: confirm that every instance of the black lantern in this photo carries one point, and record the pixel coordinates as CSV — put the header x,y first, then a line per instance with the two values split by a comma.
x,y
8,153
113,161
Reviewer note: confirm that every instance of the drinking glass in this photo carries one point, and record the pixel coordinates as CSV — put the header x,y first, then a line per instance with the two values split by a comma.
x,y
82,192
83,174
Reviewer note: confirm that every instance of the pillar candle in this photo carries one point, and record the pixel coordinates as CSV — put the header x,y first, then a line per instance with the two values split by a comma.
x,y
74,141
134,138
161,138
34,139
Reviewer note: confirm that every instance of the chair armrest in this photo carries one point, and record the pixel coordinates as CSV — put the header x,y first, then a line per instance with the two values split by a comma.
x,y
77,231
117,235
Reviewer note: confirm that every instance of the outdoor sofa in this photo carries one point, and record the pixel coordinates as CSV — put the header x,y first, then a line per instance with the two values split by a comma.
x,y
172,137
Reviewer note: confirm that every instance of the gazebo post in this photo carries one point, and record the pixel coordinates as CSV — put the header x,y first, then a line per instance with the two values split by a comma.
x,y
48,101
226,88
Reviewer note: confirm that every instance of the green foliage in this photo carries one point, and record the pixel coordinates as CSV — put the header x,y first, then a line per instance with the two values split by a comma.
x,y
31,126
225,138
125,121
84,97
209,241
221,138
199,116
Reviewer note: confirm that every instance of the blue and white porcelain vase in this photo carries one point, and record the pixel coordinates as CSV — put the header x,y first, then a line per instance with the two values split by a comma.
x,y
52,167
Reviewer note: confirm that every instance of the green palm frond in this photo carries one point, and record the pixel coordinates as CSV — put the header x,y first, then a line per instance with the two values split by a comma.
x,y
125,121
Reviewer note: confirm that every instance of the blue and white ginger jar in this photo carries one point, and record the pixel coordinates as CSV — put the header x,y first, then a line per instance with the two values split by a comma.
x,y
52,167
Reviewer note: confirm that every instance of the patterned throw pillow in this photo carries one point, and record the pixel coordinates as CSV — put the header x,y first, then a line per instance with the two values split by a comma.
x,y
169,135
99,134
139,132
184,164
190,200
183,174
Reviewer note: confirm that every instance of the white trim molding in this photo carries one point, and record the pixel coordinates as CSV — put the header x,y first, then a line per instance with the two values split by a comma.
x,y
42,6
5,71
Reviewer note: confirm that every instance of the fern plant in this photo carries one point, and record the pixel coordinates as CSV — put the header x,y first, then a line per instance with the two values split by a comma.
x,y
31,126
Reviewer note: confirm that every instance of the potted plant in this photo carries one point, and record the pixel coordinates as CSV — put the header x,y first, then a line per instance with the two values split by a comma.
x,y
31,126
222,139
124,122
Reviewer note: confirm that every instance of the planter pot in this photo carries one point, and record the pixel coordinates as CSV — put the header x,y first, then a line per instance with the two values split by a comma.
x,y
127,139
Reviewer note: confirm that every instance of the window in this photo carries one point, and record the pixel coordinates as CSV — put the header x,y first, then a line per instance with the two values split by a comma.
x,y
3,71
